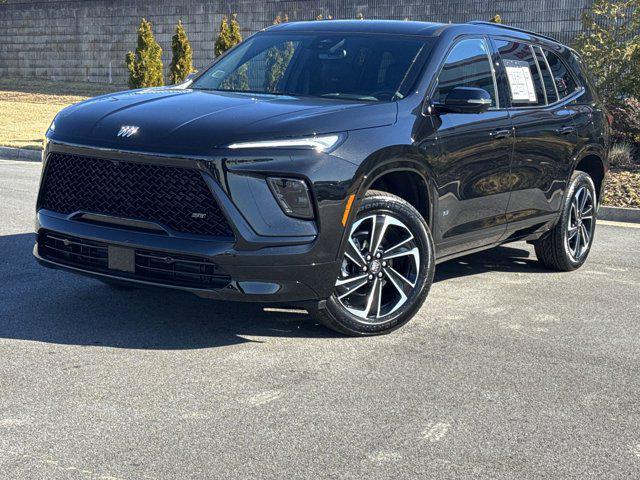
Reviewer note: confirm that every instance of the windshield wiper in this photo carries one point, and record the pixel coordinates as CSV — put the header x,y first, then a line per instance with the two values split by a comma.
x,y
350,96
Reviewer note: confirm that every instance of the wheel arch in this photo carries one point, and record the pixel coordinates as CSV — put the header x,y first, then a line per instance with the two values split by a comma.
x,y
384,165
593,161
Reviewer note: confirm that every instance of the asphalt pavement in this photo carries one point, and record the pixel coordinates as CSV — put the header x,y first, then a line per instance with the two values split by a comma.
x,y
508,372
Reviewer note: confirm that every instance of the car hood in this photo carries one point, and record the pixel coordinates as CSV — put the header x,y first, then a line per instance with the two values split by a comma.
x,y
188,122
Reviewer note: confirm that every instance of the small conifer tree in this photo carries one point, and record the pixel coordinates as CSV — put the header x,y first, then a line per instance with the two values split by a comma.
x,y
229,37
182,62
234,31
145,65
277,59
223,41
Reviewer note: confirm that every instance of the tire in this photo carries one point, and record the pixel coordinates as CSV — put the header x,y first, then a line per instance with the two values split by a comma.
x,y
558,249
400,276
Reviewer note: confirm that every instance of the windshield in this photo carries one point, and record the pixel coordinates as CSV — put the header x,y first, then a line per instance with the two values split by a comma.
x,y
347,66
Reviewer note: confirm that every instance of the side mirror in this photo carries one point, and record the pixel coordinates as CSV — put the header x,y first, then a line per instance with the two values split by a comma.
x,y
466,100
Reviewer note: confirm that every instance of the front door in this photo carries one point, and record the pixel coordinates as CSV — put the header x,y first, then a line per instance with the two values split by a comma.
x,y
472,170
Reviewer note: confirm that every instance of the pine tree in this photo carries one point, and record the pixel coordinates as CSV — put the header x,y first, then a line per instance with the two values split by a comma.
x,y
277,58
182,62
145,65
234,31
229,37
223,41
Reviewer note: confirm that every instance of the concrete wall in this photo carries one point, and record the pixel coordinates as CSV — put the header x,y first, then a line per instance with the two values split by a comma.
x,y
72,40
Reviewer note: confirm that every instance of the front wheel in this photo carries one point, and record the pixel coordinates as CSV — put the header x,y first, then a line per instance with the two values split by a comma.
x,y
386,271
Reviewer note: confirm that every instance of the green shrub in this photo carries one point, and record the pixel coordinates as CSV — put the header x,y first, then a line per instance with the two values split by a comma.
x,y
182,61
610,47
145,65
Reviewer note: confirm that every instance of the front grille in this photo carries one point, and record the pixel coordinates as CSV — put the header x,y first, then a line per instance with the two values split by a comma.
x,y
74,251
158,267
175,197
179,269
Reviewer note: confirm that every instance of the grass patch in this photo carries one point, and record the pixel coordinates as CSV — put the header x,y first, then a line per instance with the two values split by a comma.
x,y
27,107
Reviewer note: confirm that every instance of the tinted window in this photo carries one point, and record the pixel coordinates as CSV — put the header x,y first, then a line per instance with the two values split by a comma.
x,y
467,65
350,66
523,76
564,81
547,78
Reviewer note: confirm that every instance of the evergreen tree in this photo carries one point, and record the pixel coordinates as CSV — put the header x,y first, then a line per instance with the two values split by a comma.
x,y
182,62
277,58
223,41
229,37
234,31
145,65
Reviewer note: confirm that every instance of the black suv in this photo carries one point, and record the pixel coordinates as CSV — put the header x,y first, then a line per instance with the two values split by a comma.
x,y
331,165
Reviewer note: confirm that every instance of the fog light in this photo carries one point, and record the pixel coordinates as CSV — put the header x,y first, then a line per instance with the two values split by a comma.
x,y
293,196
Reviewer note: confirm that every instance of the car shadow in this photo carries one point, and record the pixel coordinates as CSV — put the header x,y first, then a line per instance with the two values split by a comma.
x,y
52,306
498,259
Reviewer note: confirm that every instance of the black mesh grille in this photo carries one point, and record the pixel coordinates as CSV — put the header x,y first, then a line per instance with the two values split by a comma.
x,y
176,197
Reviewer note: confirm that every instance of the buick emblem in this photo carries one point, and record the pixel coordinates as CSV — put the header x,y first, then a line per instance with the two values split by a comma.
x,y
128,130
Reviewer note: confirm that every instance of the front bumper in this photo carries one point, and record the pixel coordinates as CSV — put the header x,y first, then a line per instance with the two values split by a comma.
x,y
269,260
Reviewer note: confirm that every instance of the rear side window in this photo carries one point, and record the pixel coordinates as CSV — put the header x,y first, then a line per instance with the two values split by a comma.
x,y
467,65
565,83
524,77
547,77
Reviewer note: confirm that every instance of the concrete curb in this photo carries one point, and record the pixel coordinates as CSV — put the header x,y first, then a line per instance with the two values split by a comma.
x,y
619,214
10,153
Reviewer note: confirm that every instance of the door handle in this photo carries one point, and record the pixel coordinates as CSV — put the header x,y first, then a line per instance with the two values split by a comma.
x,y
566,130
499,134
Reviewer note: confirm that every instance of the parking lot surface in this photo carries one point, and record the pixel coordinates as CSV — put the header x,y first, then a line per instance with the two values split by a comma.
x,y
508,371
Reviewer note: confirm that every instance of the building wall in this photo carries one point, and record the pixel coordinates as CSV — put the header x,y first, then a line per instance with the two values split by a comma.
x,y
75,40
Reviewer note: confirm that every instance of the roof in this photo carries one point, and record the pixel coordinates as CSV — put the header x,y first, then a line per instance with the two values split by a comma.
x,y
400,27
361,26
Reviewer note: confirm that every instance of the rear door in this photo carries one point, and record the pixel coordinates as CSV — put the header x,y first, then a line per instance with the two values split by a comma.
x,y
472,168
545,134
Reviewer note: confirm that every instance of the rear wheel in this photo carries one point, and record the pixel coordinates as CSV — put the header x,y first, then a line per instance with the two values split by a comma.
x,y
386,271
567,245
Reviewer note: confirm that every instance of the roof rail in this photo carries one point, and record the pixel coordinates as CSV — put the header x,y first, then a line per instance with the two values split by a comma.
x,y
515,29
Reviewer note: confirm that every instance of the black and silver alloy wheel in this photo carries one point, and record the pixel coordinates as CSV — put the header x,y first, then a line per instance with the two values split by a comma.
x,y
386,271
566,246
581,223
379,269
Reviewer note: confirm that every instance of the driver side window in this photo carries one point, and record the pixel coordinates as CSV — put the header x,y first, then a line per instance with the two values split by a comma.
x,y
467,65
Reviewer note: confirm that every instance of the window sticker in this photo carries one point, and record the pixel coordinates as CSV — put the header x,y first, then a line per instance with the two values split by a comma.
x,y
520,81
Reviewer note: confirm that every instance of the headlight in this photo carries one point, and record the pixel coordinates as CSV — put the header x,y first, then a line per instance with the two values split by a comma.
x,y
320,143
